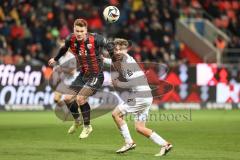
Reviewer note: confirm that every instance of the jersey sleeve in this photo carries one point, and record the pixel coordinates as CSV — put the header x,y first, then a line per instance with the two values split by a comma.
x,y
100,40
103,42
131,69
64,48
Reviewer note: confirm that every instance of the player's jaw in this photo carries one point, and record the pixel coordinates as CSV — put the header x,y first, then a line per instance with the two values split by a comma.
x,y
80,37
119,52
118,56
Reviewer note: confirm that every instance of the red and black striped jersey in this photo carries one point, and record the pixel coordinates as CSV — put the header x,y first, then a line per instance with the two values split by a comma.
x,y
87,52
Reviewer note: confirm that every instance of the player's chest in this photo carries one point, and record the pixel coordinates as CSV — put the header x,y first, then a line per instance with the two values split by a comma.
x,y
124,70
83,49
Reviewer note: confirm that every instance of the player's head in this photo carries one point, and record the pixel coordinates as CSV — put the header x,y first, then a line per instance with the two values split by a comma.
x,y
120,48
80,28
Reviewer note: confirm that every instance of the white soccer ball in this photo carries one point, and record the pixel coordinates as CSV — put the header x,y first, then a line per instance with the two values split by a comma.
x,y
111,14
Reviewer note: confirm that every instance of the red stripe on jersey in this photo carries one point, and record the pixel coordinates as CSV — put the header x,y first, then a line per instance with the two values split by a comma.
x,y
83,57
73,48
93,56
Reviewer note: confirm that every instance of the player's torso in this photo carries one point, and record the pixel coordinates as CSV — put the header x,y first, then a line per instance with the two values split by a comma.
x,y
87,54
130,70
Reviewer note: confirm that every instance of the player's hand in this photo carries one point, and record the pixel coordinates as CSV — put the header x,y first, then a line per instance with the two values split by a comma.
x,y
51,62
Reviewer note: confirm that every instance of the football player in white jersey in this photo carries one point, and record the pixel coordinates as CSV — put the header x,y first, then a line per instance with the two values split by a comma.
x,y
139,101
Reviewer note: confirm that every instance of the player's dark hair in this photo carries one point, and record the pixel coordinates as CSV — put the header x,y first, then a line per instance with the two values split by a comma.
x,y
130,43
80,23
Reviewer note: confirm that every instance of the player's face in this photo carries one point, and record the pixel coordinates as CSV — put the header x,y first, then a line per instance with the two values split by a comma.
x,y
119,52
80,32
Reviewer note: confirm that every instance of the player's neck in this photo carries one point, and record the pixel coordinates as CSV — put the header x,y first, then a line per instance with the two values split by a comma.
x,y
117,59
85,37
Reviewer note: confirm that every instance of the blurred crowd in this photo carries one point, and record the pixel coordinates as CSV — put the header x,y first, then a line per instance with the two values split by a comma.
x,y
224,14
31,31
227,17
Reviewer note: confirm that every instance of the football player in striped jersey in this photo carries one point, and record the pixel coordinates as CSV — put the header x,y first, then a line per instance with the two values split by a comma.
x,y
87,48
139,100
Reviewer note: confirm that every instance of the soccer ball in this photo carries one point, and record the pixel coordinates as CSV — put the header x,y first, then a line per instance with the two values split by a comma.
x,y
111,14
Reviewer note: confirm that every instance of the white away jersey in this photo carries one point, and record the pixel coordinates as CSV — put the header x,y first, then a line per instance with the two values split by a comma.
x,y
131,71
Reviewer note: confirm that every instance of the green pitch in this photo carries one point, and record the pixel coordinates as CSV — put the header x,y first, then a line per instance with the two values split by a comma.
x,y
41,136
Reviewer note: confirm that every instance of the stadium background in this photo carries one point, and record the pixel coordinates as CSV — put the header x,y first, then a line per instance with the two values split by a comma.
x,y
30,36
31,31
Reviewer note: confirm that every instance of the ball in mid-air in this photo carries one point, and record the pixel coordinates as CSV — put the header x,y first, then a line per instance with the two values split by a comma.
x,y
111,14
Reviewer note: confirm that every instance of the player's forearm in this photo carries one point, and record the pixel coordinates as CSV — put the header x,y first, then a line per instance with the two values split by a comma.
x,y
133,82
128,84
61,52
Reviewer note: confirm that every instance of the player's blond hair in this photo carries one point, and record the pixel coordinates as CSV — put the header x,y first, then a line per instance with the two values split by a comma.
x,y
121,42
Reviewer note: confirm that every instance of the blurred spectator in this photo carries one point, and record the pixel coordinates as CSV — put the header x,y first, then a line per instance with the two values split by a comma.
x,y
30,30
30,35
148,43
220,44
225,15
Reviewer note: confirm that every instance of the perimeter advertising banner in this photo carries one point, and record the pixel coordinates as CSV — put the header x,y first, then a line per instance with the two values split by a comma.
x,y
26,87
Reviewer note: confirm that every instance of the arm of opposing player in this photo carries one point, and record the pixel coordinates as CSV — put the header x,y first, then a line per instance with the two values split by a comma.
x,y
105,43
120,84
131,82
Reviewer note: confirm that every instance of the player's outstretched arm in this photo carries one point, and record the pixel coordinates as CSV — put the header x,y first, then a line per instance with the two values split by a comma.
x,y
105,43
61,52
54,60
51,62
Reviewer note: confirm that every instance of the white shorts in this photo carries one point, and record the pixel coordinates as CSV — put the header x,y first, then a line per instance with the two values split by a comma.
x,y
139,108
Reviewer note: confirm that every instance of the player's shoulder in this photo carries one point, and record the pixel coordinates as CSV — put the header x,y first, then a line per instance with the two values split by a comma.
x,y
70,36
128,58
96,35
93,33
99,39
